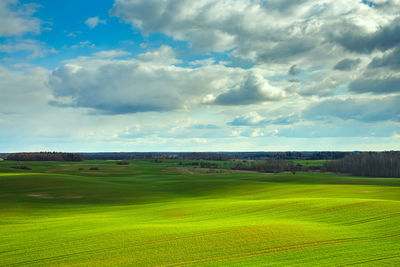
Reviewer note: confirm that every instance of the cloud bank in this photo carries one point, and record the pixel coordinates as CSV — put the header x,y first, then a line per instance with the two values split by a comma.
x,y
186,75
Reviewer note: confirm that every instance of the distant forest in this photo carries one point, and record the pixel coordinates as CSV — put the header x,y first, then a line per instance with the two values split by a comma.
x,y
328,155
367,164
270,166
370,164
44,156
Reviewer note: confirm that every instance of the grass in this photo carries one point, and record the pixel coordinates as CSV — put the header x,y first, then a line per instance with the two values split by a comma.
x,y
149,214
308,163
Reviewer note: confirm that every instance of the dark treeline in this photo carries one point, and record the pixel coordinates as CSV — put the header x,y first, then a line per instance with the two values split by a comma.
x,y
154,155
320,155
219,156
201,164
44,156
370,164
329,155
271,165
126,155
203,156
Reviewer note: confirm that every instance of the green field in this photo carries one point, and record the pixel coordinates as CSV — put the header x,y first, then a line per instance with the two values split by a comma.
x,y
149,214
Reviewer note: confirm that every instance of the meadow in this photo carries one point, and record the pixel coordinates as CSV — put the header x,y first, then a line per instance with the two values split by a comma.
x,y
163,214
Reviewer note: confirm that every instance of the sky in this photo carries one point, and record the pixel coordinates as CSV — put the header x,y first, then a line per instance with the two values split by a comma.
x,y
204,75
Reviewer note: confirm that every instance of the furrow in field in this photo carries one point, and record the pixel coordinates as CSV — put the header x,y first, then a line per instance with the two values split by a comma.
x,y
7,251
256,253
371,260
373,219
95,251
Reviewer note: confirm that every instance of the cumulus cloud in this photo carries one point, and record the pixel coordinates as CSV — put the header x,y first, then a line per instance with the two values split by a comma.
x,y
267,31
112,54
348,52
35,48
294,70
255,119
364,109
202,62
347,64
83,44
165,55
92,22
384,85
251,118
281,35
181,19
16,96
150,82
113,88
354,38
319,83
254,89
16,19
389,60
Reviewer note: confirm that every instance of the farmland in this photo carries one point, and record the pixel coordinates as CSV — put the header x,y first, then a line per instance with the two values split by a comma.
x,y
162,214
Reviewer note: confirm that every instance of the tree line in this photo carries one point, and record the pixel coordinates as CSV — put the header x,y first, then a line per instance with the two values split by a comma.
x,y
218,156
318,155
44,156
369,164
270,166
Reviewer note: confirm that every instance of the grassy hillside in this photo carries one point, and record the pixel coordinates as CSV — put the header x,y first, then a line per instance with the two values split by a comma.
x,y
151,214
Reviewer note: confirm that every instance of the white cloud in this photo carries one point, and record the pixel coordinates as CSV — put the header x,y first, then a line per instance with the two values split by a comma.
x,y
257,132
291,66
16,96
251,118
92,22
311,35
254,89
16,19
73,34
149,82
266,31
367,109
202,62
36,48
83,44
111,54
164,55
26,116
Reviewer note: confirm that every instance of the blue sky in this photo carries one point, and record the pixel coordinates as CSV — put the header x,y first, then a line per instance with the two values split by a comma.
x,y
181,75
